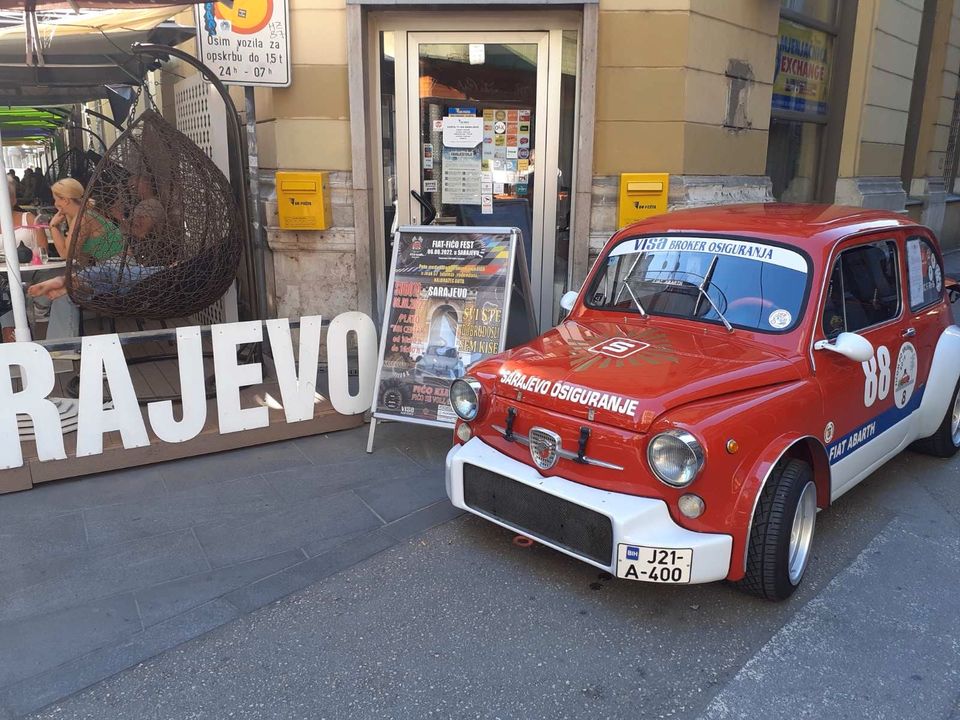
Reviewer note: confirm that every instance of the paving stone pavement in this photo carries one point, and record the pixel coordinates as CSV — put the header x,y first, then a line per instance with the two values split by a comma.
x,y
103,572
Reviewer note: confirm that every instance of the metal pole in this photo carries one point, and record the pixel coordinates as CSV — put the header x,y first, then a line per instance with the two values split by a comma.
x,y
257,217
238,176
22,329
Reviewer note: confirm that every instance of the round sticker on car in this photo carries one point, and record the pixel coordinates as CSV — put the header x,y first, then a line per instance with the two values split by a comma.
x,y
905,378
780,319
828,433
936,276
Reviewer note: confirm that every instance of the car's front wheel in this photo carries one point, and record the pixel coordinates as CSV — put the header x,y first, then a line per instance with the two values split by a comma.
x,y
946,440
781,537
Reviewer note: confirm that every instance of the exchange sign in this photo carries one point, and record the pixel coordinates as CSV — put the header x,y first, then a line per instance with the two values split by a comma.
x,y
247,43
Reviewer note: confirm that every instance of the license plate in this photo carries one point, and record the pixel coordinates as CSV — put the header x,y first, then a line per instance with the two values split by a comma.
x,y
652,564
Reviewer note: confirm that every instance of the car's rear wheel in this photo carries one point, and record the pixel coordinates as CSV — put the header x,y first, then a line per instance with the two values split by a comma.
x,y
946,440
781,537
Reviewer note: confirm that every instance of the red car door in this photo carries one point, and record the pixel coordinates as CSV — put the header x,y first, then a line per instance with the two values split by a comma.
x,y
867,405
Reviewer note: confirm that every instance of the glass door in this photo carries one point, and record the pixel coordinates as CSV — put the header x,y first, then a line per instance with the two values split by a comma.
x,y
478,129
474,110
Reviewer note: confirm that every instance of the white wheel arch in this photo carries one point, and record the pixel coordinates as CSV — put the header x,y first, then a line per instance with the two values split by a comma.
x,y
944,373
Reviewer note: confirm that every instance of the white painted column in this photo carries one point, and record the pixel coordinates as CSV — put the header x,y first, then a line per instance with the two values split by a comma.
x,y
13,264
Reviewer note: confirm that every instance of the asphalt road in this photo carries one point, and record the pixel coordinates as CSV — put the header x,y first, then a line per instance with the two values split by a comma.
x,y
460,623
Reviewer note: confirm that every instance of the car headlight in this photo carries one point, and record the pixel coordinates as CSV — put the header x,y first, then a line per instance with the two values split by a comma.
x,y
675,457
465,398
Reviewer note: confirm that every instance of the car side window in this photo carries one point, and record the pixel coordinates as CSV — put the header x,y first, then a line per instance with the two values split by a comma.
x,y
924,274
864,289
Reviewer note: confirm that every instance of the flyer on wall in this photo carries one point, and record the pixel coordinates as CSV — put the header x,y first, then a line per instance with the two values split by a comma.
x,y
447,307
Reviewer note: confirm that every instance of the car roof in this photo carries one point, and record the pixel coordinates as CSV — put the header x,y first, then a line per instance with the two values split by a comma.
x,y
808,226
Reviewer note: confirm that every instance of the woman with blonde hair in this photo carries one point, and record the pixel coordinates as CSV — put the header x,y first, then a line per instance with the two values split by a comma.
x,y
100,239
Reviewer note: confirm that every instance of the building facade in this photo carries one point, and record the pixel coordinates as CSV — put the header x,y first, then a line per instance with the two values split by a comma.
x,y
848,101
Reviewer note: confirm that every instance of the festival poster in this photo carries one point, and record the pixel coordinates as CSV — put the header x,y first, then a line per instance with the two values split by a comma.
x,y
802,73
447,307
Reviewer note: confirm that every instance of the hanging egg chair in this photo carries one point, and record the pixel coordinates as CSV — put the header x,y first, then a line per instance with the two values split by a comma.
x,y
75,163
161,226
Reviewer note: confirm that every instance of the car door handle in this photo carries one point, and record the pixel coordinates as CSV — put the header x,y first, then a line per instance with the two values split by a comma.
x,y
908,333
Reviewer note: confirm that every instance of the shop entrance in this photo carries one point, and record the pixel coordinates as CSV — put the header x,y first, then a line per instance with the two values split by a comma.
x,y
480,124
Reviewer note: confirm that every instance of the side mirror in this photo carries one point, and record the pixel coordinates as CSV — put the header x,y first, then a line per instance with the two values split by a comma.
x,y
848,344
568,300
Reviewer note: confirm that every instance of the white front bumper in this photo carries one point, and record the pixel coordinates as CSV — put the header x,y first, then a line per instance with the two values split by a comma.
x,y
635,520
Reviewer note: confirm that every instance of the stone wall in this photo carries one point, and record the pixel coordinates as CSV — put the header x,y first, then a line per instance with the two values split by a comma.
x,y
315,270
686,191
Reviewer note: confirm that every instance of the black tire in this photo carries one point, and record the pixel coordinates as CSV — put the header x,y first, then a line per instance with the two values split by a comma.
x,y
941,443
768,553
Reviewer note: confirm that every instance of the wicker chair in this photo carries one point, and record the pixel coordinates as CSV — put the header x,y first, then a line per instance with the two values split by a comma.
x,y
169,240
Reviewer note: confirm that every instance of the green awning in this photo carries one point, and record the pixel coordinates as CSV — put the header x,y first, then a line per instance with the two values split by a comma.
x,y
31,124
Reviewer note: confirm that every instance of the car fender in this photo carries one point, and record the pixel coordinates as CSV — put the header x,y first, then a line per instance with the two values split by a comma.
x,y
944,373
808,448
755,415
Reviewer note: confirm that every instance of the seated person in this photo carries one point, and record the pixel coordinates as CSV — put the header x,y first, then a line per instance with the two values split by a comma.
x,y
99,238
64,319
141,217
26,231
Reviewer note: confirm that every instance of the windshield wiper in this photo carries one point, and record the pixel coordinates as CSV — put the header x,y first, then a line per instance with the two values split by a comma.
x,y
626,286
635,300
704,294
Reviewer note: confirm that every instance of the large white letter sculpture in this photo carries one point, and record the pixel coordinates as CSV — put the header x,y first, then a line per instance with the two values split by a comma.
x,y
297,392
231,376
343,324
101,354
36,374
193,392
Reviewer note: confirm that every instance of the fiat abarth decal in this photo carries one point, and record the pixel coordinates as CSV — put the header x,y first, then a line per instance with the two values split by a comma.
x,y
724,374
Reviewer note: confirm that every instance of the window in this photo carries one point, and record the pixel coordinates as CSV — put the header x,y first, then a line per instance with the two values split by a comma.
x,y
801,89
749,284
824,11
793,159
925,276
864,289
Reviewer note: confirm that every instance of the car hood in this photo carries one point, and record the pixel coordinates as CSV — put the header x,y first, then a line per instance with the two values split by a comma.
x,y
573,368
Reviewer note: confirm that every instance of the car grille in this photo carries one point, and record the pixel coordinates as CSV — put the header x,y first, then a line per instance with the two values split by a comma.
x,y
538,514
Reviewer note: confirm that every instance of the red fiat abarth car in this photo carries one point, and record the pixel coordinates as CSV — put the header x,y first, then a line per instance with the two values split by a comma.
x,y
722,375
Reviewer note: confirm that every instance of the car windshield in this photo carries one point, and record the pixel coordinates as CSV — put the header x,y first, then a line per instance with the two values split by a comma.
x,y
745,283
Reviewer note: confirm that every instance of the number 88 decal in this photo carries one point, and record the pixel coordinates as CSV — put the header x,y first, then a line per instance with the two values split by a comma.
x,y
877,372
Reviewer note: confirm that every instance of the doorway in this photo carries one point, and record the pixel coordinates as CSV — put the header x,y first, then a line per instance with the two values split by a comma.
x,y
478,116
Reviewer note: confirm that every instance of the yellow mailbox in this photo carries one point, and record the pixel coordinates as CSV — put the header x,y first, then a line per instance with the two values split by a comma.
x,y
303,200
642,195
